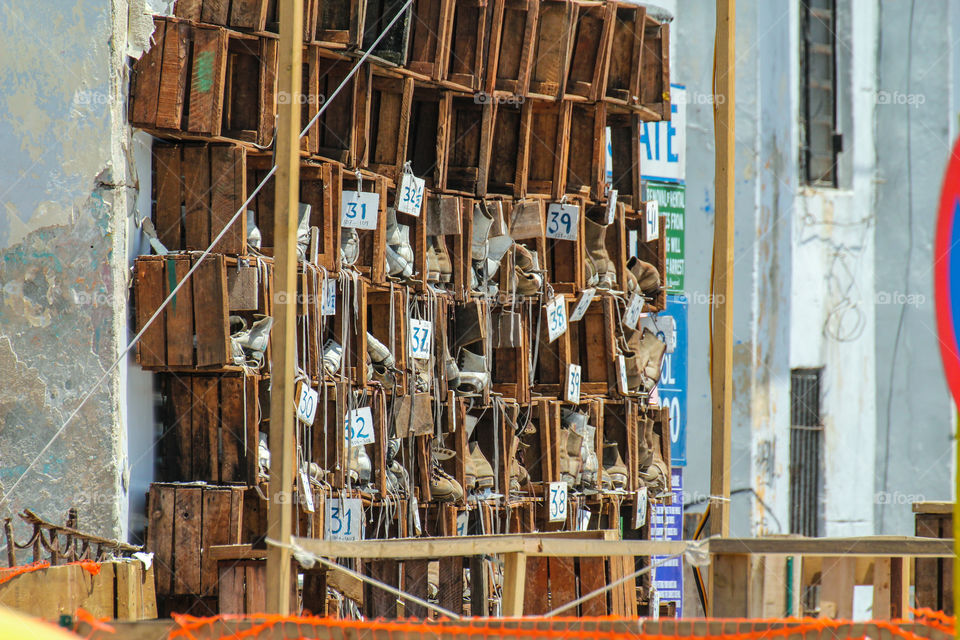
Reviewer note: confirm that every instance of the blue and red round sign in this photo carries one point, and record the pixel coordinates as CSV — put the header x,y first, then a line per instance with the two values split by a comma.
x,y
946,273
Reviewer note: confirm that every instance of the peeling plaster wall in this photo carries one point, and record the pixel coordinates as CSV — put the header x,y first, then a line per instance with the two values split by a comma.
x,y
65,194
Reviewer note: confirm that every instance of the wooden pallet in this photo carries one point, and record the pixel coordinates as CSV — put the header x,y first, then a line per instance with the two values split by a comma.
x,y
512,39
184,520
592,50
197,188
193,333
210,426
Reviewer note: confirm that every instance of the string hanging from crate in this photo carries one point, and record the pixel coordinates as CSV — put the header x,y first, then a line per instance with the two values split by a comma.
x,y
122,356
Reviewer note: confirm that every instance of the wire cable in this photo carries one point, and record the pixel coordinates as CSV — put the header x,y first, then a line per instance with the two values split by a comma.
x,y
196,265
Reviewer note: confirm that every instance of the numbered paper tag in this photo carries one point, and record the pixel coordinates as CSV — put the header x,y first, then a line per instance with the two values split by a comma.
x,y
556,317
634,309
563,221
611,206
358,427
558,501
421,338
307,403
343,519
359,209
573,384
463,521
640,518
622,366
652,229
328,304
583,519
415,508
410,194
586,297
306,491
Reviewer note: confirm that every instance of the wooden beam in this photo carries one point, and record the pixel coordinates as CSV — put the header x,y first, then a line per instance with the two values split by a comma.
x,y
279,511
514,581
876,546
721,357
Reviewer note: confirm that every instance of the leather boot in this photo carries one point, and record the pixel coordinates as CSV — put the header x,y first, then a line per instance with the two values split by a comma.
x,y
474,377
614,470
443,487
655,476
600,270
646,275
483,470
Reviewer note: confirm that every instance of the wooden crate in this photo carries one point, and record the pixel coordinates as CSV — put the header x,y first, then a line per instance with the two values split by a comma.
x,y
512,39
431,28
467,122
320,186
616,240
541,454
238,14
934,576
545,126
655,76
242,586
553,358
620,426
392,47
626,56
625,152
498,445
654,252
503,167
594,348
355,347
386,123
510,368
193,333
465,62
337,133
564,258
183,521
205,80
197,188
210,426
339,23
552,50
386,315
427,138
592,50
586,157
373,243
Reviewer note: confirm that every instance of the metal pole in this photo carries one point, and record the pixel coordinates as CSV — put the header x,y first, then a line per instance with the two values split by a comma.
x,y
279,510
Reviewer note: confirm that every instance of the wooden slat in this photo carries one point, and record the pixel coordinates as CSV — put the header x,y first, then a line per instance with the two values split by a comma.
x,y
173,79
148,295
231,591
255,600
215,12
206,428
592,577
537,587
233,461
379,603
189,9
145,86
160,505
167,187
178,457
248,14
196,196
207,80
179,313
415,583
450,586
217,505
210,317
186,540
228,177
563,581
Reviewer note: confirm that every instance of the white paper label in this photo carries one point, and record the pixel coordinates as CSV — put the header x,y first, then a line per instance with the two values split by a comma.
x,y
654,604
586,297
359,209
343,519
558,501
358,427
421,338
652,228
634,309
611,206
410,194
622,366
583,519
641,516
556,317
463,522
562,221
328,303
307,403
415,507
306,492
573,384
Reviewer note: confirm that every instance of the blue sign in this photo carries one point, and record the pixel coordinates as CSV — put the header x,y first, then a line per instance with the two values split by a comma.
x,y
666,523
673,380
663,144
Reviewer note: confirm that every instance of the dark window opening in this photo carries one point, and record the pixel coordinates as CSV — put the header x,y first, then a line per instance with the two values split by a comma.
x,y
820,141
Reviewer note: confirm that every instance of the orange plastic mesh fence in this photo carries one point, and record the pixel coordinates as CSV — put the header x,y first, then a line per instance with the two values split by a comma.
x,y
8,574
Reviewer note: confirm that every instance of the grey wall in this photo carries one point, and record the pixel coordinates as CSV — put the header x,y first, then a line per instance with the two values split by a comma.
x,y
915,123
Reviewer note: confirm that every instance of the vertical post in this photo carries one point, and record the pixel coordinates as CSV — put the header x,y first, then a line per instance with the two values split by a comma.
x,y
514,581
956,526
721,370
279,510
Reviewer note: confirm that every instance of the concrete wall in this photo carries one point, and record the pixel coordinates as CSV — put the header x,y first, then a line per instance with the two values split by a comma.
x,y
916,123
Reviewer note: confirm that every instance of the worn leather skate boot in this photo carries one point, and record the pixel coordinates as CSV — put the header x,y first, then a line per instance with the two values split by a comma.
x,y
646,275
600,270
614,470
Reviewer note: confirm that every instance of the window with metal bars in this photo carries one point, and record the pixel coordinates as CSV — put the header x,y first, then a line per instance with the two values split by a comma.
x,y
821,142
806,451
